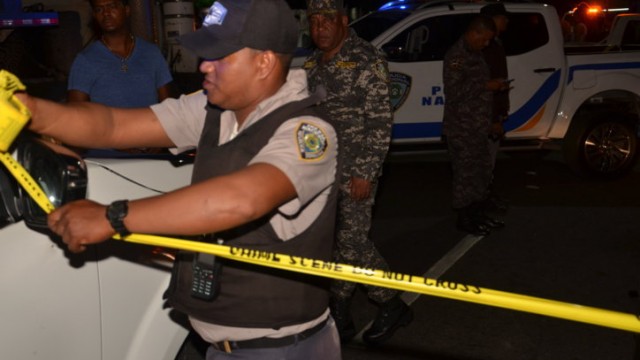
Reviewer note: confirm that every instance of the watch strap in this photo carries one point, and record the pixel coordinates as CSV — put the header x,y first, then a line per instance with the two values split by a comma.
x,y
116,212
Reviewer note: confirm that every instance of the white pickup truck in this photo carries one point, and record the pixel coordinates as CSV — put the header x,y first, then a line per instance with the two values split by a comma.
x,y
624,34
586,100
105,303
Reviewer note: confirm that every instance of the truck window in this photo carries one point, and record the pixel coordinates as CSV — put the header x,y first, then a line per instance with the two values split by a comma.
x,y
429,39
370,26
631,37
526,32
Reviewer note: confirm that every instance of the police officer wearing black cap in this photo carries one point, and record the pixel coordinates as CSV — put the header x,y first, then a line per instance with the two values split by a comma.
x,y
264,178
466,126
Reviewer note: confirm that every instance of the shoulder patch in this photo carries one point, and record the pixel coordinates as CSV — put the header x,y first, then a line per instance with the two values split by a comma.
x,y
312,142
309,64
346,64
456,63
381,70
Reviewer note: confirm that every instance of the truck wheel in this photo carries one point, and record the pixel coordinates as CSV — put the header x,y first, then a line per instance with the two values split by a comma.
x,y
601,148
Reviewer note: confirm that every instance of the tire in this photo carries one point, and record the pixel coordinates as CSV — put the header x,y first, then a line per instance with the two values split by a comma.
x,y
604,146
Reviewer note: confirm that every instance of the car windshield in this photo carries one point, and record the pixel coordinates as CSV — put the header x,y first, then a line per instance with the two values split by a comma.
x,y
370,26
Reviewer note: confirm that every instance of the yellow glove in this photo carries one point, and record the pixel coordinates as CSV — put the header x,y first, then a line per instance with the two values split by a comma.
x,y
9,82
13,114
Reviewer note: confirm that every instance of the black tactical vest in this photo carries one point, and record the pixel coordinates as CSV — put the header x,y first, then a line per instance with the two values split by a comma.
x,y
251,295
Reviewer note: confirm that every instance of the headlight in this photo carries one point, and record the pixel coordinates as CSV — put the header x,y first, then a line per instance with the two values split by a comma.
x,y
60,172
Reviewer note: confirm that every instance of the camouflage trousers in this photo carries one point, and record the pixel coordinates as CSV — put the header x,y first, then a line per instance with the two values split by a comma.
x,y
354,247
472,168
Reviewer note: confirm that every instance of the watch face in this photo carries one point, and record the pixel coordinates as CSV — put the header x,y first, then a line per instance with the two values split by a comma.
x,y
116,212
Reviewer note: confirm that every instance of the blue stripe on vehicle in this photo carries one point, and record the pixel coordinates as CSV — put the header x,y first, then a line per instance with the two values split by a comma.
x,y
610,66
537,101
516,119
416,130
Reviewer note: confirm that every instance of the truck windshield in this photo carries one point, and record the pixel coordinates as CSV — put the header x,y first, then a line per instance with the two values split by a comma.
x,y
370,26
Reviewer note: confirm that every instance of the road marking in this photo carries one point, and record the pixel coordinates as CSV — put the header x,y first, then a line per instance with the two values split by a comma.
x,y
435,272
445,263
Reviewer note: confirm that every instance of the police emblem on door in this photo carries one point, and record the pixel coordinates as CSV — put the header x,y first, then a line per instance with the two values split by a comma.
x,y
399,88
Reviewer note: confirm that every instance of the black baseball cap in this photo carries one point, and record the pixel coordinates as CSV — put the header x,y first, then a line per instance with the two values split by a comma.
x,y
231,25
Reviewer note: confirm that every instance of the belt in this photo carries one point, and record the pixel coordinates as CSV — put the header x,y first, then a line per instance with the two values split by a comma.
x,y
265,342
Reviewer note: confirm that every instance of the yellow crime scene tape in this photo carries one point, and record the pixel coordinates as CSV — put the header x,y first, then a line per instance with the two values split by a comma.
x,y
388,279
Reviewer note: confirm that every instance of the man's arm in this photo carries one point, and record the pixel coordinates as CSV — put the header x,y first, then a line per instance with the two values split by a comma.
x,y
163,92
378,120
92,125
76,95
453,76
213,205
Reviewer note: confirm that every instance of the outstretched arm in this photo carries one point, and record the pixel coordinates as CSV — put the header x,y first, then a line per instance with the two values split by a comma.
x,y
92,125
214,205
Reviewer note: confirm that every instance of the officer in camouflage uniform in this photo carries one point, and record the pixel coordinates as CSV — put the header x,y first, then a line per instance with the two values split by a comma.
x,y
496,58
356,78
467,122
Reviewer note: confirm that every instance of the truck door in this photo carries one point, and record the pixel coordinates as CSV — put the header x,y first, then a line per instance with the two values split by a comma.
x,y
415,52
535,58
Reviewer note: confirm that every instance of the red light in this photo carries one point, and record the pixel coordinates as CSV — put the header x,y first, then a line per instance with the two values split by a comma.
x,y
585,9
594,10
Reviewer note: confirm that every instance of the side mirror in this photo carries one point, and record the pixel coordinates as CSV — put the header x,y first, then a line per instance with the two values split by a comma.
x,y
60,172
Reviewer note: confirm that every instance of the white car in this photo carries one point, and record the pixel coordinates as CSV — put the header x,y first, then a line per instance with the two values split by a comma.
x,y
103,304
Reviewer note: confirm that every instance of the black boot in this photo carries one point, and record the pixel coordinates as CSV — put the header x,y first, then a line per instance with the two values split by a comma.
x,y
495,203
470,220
485,211
392,314
340,311
489,221
493,223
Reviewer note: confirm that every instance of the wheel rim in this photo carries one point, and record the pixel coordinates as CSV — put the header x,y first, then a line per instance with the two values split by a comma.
x,y
609,147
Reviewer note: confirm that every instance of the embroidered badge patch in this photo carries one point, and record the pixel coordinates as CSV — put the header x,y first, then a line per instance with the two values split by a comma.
x,y
399,89
456,63
381,70
215,15
346,64
312,142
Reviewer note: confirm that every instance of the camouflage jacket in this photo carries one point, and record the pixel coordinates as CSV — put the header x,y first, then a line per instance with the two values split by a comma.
x,y
496,59
357,83
468,103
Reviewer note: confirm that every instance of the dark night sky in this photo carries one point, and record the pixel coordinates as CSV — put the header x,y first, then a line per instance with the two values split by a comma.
x,y
561,5
364,4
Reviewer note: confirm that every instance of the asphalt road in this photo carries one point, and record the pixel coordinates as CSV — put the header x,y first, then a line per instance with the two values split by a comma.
x,y
567,239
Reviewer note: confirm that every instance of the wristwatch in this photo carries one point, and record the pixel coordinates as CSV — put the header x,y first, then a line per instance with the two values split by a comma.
x,y
116,212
